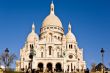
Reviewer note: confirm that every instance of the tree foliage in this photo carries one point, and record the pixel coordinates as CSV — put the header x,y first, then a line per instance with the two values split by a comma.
x,y
93,67
7,59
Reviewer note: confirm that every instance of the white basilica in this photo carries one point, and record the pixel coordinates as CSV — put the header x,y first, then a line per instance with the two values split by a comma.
x,y
53,49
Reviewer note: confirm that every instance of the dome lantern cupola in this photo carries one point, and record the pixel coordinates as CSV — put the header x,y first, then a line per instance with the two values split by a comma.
x,y
69,27
52,19
33,27
52,8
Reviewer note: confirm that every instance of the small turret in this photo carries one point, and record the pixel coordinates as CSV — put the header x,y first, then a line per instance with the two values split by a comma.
x,y
32,36
70,37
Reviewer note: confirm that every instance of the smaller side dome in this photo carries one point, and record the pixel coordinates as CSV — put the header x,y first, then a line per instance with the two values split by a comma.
x,y
70,37
32,37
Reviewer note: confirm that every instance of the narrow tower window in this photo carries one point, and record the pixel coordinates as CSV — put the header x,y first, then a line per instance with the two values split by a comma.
x,y
68,68
71,67
52,9
71,46
58,54
41,54
74,67
50,47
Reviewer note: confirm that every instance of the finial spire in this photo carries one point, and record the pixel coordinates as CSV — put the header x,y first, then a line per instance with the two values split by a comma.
x,y
33,27
52,7
69,27
52,1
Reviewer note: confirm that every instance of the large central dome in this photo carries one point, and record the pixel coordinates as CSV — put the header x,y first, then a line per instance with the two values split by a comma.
x,y
52,19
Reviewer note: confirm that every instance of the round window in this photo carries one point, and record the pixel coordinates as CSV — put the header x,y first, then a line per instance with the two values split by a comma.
x,y
70,56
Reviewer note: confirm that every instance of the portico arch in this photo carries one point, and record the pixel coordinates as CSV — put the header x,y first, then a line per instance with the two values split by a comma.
x,y
40,66
58,67
49,66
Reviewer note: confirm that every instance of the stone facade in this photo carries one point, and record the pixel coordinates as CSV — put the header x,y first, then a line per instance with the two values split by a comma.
x,y
53,49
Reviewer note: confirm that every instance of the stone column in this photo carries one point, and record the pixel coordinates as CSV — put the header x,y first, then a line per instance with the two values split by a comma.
x,y
64,65
53,66
44,68
69,68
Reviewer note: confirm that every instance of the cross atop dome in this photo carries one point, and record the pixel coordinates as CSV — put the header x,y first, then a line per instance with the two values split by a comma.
x,y
69,27
33,27
52,8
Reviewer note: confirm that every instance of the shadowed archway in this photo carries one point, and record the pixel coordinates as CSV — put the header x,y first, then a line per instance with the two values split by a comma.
x,y
49,66
58,67
40,66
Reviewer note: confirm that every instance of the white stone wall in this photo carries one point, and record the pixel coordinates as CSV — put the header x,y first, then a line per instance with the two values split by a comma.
x,y
58,48
64,48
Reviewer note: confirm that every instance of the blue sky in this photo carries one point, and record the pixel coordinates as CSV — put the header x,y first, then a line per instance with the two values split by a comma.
x,y
90,20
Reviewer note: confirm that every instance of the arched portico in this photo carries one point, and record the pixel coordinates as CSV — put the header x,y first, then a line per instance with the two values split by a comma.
x,y
40,66
58,67
49,66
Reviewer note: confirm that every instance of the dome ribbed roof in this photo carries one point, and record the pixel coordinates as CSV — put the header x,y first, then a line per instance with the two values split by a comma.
x,y
52,19
32,36
70,36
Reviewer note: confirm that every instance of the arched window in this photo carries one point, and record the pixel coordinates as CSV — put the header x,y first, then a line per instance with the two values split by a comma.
x,y
58,67
74,67
59,38
40,66
68,68
50,34
58,54
71,46
47,27
71,67
50,37
23,59
31,46
41,54
55,36
51,27
55,27
50,48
